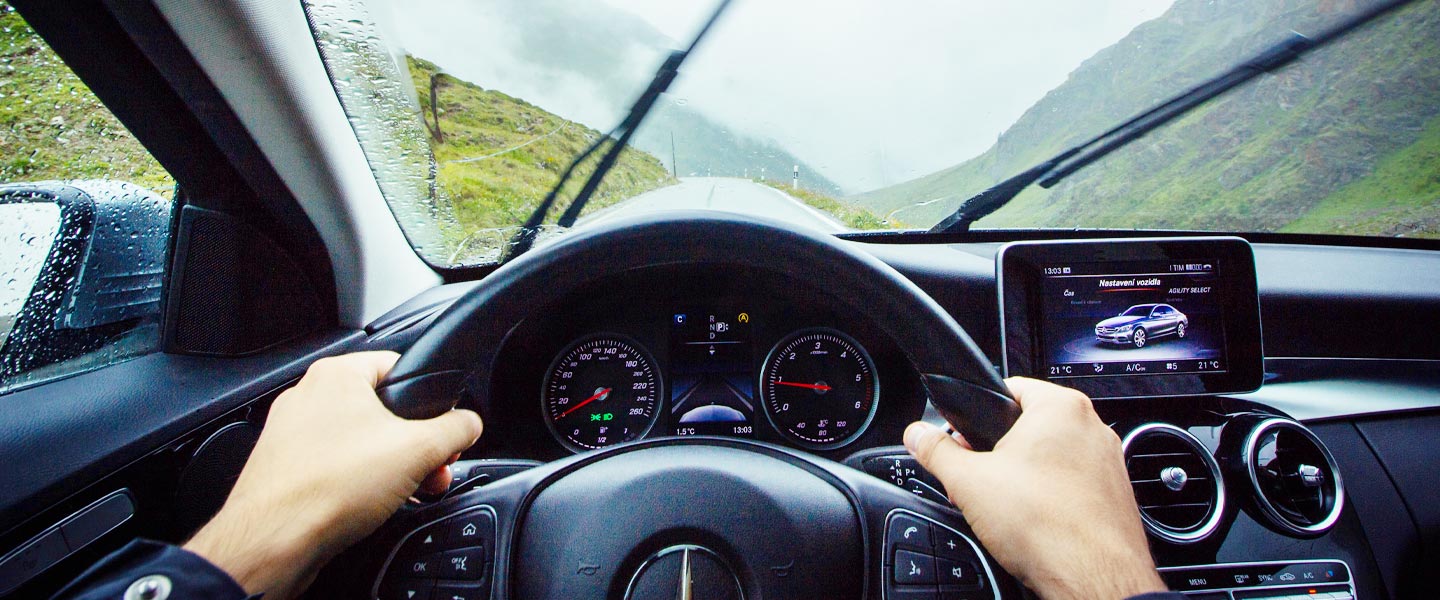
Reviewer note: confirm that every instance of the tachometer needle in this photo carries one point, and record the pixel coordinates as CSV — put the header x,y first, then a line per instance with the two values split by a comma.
x,y
597,396
808,386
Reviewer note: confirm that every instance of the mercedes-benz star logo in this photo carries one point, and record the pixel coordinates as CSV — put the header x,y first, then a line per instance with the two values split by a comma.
x,y
684,572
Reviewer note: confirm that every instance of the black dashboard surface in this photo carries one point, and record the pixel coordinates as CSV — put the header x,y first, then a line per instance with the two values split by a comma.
x,y
1313,301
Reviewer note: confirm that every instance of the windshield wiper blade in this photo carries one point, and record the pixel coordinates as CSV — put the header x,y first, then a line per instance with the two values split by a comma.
x,y
525,238
1066,163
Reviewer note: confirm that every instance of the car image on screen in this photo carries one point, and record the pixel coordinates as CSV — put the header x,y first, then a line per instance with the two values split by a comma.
x,y
1141,323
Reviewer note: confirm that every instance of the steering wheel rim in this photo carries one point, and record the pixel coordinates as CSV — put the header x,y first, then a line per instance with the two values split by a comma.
x,y
781,523
456,354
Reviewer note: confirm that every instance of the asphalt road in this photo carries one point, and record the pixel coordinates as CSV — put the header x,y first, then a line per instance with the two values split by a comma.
x,y
723,194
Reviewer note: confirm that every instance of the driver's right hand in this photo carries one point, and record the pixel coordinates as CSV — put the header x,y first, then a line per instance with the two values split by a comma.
x,y
1052,502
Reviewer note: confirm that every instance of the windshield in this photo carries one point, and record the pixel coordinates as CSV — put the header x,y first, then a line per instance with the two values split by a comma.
x,y
846,115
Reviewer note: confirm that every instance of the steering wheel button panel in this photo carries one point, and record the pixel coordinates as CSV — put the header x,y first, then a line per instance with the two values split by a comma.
x,y
939,563
441,555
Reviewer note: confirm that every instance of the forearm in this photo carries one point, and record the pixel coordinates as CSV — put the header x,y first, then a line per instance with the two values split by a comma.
x,y
142,564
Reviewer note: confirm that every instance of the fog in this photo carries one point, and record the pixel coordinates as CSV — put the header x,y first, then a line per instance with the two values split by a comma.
x,y
870,93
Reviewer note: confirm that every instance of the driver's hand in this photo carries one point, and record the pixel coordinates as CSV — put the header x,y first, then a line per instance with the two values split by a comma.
x,y
332,464
1052,502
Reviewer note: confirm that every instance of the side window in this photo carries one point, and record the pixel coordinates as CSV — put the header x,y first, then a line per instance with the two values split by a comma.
x,y
84,221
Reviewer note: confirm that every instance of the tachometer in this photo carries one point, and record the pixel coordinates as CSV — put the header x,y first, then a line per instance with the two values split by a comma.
x,y
600,391
819,388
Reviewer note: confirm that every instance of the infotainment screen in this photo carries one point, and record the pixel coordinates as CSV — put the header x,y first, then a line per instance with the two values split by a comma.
x,y
1133,318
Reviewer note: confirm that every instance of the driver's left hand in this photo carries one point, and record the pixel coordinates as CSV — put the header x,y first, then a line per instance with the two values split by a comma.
x,y
331,465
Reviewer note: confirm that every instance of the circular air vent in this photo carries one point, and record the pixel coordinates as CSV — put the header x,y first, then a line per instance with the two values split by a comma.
x,y
1176,481
1296,484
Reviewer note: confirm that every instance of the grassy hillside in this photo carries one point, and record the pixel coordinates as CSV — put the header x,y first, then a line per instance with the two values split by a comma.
x,y
850,215
1340,142
52,127
497,156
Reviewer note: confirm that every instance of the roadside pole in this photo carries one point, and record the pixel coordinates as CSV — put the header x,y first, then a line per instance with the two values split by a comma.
x,y
795,182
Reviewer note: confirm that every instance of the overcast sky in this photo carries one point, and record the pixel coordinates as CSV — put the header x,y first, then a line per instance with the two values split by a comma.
x,y
870,92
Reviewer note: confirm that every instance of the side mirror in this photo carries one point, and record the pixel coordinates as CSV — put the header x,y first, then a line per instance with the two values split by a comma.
x,y
99,284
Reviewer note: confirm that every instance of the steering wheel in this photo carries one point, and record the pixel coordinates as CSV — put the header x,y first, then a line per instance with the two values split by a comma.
x,y
686,517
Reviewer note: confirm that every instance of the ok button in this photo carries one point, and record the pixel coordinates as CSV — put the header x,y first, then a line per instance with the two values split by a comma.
x,y
421,567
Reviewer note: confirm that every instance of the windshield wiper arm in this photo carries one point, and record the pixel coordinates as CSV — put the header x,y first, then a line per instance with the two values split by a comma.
x,y
525,238
1066,163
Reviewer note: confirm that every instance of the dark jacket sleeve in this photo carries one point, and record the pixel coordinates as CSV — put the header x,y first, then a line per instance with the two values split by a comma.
x,y
160,566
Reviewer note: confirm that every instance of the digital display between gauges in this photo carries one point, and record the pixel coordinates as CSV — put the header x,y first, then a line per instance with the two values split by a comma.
x,y
819,388
712,373
602,390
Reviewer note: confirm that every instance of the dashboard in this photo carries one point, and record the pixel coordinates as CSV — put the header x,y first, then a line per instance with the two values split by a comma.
x,y
692,349
1365,401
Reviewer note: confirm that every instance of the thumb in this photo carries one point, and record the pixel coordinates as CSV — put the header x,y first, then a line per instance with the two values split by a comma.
x,y
941,455
447,435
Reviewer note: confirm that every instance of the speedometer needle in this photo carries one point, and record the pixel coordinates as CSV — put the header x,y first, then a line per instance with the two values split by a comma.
x,y
597,396
808,386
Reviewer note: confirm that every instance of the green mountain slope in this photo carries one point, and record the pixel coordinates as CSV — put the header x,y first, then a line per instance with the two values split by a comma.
x,y
1292,151
53,127
617,51
497,156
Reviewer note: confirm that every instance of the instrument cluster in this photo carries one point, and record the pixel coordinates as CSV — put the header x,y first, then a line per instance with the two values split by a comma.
x,y
817,387
698,350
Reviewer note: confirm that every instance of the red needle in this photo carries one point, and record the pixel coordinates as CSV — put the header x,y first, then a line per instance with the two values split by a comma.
x,y
808,386
584,402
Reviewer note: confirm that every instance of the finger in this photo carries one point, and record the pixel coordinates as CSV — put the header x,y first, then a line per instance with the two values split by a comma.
x,y
369,367
960,439
437,481
373,365
447,435
939,453
1034,395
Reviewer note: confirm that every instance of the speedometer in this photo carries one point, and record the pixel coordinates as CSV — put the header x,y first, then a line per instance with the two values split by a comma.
x,y
819,388
600,391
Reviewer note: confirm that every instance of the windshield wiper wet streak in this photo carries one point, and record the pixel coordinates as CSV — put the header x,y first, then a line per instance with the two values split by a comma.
x,y
1062,165
525,238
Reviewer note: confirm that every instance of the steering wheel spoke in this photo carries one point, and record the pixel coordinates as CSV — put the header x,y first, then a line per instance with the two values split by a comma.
x,y
452,549
923,550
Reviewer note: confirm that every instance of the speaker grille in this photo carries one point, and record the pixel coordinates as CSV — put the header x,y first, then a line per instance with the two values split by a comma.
x,y
238,292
